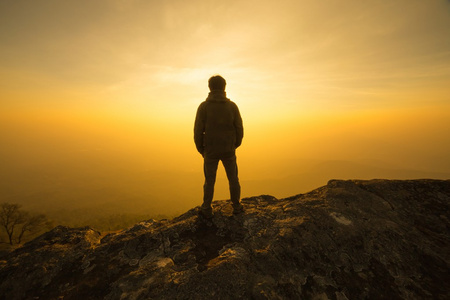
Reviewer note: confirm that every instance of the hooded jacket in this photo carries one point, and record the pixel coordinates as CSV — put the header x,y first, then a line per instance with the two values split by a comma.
x,y
218,129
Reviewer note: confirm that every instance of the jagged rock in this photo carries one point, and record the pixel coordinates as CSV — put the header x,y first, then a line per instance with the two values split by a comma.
x,y
377,239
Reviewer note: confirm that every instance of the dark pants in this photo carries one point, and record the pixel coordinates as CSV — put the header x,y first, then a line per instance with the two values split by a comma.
x,y
210,170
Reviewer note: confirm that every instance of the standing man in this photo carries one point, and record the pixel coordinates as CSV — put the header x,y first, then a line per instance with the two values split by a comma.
x,y
218,131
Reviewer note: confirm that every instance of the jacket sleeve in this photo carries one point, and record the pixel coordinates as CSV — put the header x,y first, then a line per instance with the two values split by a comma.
x,y
238,126
199,128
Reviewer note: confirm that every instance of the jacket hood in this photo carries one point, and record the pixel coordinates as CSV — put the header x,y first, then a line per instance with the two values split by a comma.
x,y
217,96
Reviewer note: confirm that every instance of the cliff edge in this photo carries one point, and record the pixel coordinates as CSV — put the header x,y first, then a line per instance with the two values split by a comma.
x,y
377,239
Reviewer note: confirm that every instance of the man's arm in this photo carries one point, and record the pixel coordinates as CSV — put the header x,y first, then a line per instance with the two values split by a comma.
x,y
199,128
239,127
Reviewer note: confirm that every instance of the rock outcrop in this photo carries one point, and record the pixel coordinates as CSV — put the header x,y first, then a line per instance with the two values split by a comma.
x,y
378,239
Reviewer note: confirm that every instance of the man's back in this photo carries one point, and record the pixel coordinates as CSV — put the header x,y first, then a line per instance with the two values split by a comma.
x,y
218,127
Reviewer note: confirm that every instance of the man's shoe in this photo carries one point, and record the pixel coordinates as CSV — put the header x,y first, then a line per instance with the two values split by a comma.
x,y
238,210
206,213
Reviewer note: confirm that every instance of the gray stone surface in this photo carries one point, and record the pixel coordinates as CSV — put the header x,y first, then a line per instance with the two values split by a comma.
x,y
378,239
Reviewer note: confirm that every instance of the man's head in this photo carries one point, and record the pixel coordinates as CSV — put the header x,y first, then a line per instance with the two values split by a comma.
x,y
217,83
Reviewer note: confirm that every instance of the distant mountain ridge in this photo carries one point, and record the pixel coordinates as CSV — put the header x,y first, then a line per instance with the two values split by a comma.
x,y
352,239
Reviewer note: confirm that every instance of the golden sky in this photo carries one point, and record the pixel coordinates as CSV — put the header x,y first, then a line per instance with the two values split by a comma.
x,y
314,80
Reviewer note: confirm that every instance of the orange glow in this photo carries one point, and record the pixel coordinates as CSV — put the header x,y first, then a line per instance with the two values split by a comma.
x,y
115,85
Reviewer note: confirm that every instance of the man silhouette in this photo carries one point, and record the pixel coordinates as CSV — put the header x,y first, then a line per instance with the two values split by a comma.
x,y
218,131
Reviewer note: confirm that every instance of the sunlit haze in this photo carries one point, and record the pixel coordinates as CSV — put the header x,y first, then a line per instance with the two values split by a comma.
x,y
98,98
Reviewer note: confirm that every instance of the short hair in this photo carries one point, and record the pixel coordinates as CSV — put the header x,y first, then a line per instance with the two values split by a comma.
x,y
217,82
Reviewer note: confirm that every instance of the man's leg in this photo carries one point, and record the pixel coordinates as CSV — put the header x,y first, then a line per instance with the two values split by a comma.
x,y
231,169
210,170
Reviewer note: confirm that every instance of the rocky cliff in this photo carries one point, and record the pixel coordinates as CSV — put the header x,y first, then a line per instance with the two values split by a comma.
x,y
377,239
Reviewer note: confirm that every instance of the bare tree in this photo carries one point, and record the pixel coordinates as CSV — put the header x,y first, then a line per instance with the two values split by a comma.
x,y
32,224
15,220
10,217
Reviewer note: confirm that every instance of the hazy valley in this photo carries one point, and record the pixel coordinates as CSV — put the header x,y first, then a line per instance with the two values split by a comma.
x,y
110,197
